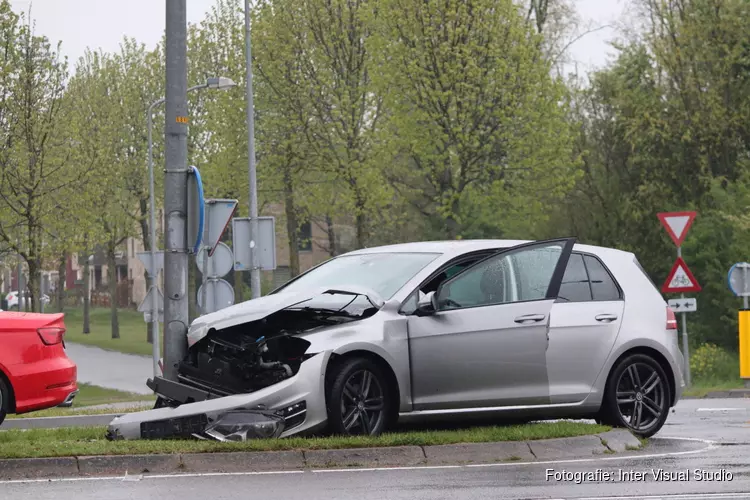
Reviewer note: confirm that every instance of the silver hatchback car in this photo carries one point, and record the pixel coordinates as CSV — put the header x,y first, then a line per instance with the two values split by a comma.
x,y
531,330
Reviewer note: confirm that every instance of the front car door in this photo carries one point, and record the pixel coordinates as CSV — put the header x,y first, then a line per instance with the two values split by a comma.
x,y
486,342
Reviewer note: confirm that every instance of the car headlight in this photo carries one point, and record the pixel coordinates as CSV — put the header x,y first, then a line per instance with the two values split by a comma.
x,y
242,425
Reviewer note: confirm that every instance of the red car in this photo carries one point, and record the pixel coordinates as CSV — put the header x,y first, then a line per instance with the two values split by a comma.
x,y
35,372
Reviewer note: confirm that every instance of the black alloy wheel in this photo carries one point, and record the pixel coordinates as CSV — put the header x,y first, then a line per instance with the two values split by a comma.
x,y
359,399
638,396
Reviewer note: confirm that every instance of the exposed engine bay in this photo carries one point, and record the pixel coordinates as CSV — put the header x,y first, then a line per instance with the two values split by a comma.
x,y
247,357
247,373
233,362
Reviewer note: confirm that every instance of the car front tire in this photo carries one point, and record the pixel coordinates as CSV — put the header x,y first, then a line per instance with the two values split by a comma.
x,y
637,396
360,399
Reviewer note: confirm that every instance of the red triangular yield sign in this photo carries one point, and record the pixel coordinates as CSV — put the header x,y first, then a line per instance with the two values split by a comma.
x,y
676,224
680,279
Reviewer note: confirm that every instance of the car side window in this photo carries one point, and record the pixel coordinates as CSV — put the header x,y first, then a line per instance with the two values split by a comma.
x,y
575,286
603,286
519,276
411,303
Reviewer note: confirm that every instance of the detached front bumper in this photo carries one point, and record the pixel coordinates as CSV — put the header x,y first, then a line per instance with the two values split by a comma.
x,y
299,400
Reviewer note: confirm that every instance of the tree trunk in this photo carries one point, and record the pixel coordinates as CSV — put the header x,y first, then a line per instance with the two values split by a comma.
x,y
452,226
291,223
331,232
62,278
86,293
112,282
32,302
361,219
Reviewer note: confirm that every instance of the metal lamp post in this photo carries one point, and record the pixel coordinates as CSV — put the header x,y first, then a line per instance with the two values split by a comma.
x,y
220,83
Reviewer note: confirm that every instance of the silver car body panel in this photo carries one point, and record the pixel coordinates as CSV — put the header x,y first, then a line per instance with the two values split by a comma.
x,y
471,360
467,357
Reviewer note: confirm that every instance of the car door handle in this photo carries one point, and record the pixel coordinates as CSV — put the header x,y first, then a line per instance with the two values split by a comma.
x,y
530,318
606,317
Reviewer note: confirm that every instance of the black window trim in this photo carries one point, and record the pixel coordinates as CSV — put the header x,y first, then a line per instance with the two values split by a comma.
x,y
620,293
588,280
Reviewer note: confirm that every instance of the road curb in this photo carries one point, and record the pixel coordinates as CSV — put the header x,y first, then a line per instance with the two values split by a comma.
x,y
614,441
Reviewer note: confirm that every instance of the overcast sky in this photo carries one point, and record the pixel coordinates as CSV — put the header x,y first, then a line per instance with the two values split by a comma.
x,y
103,23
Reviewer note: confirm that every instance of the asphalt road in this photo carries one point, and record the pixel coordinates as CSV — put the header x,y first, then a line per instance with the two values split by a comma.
x,y
727,463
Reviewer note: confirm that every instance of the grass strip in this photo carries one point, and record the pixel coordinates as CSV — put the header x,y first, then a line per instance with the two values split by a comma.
x,y
132,330
91,440
92,395
700,388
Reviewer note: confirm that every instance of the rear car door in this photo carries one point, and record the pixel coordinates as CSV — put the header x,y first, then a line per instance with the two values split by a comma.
x,y
585,321
485,344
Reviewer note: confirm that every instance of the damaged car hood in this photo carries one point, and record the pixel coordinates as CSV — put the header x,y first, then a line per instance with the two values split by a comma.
x,y
256,309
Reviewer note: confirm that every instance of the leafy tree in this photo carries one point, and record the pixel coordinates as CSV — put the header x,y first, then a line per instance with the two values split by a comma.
x,y
315,56
475,118
35,160
665,128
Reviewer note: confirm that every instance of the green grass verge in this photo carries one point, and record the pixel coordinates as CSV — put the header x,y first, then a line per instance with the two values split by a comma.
x,y
91,441
699,388
91,395
132,330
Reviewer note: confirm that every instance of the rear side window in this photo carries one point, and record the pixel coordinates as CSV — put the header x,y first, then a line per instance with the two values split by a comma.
x,y
586,279
575,285
603,286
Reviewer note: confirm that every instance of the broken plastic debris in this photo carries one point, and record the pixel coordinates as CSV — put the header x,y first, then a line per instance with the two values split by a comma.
x,y
243,425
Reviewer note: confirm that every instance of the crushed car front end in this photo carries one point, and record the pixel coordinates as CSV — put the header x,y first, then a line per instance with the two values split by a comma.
x,y
248,373
293,406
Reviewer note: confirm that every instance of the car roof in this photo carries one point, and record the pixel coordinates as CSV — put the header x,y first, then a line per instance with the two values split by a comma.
x,y
457,247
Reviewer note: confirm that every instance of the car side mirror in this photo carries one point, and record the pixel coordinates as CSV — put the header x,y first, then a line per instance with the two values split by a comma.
x,y
427,305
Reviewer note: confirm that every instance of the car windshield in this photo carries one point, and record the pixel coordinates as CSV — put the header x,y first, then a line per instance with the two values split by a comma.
x,y
384,273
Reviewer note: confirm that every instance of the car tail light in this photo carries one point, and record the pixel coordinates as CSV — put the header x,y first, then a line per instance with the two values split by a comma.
x,y
51,335
671,319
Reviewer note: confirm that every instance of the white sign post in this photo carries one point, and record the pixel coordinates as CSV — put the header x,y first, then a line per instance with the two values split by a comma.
x,y
152,306
680,279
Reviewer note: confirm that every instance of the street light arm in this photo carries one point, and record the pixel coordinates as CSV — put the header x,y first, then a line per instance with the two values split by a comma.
x,y
154,104
198,87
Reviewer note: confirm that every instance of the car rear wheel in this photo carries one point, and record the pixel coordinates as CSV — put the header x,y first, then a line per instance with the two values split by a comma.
x,y
4,400
359,399
637,397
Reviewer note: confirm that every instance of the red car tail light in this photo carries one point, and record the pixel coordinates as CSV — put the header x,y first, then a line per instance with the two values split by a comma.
x,y
671,319
51,335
